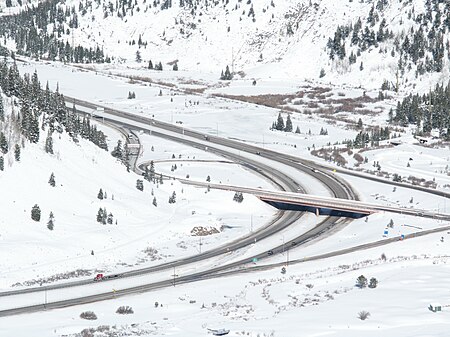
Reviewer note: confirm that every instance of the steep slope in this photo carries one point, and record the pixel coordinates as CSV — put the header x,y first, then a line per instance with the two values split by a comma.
x,y
361,43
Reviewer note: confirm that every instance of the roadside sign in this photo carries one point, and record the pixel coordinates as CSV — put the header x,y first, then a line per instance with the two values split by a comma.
x,y
254,260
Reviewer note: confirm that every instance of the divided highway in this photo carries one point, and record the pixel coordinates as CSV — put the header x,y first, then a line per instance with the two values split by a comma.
x,y
339,188
281,221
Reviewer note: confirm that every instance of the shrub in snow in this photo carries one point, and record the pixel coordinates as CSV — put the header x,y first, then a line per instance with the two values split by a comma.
x,y
361,282
87,332
36,213
124,310
373,283
90,315
363,315
238,197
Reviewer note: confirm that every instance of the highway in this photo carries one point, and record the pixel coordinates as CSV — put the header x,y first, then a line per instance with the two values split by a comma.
x,y
280,222
339,189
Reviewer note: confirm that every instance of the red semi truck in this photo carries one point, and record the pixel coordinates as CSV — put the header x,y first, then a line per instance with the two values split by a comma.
x,y
101,277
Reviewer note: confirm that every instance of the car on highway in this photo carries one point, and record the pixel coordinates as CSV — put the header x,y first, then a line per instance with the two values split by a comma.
x,y
293,243
270,252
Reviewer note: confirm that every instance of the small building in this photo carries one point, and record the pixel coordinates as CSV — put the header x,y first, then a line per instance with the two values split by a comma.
x,y
395,142
422,140
435,307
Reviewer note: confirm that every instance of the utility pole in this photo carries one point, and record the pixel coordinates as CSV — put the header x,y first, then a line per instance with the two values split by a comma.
x,y
174,275
232,60
287,260
251,222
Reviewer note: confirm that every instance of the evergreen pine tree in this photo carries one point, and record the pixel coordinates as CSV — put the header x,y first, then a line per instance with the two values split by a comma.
x,y
140,185
322,73
154,202
173,198
297,130
51,180
17,152
117,152
104,216
152,170
147,174
150,64
36,213
288,127
51,221
3,143
100,194
49,143
175,67
2,110
110,219
280,123
227,75
100,215
2,163
360,123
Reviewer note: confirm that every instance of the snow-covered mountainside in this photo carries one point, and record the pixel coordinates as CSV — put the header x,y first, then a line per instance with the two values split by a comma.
x,y
358,42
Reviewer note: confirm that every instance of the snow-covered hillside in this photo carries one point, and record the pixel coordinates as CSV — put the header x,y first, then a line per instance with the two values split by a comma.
x,y
64,181
270,38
